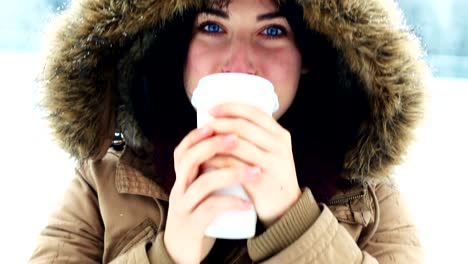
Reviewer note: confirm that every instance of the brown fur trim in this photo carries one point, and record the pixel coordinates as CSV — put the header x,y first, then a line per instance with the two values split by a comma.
x,y
89,37
381,50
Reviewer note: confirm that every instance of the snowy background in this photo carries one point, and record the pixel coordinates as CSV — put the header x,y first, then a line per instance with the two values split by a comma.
x,y
434,177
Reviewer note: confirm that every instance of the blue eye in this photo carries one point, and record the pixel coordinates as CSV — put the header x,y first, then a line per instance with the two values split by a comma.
x,y
273,31
211,28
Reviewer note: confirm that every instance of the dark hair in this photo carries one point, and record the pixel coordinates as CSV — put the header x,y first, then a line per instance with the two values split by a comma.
x,y
323,119
161,106
329,107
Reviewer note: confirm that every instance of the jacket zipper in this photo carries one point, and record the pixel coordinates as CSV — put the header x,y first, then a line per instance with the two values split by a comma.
x,y
345,200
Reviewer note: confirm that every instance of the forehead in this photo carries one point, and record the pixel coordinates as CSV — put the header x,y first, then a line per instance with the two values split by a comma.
x,y
241,9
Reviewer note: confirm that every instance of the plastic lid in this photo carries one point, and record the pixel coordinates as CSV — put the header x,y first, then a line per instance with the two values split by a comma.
x,y
240,87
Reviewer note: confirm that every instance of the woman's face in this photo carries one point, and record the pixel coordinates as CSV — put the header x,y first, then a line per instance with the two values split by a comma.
x,y
249,36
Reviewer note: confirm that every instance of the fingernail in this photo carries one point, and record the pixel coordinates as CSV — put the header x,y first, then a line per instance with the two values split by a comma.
x,y
205,130
216,110
252,172
230,139
246,205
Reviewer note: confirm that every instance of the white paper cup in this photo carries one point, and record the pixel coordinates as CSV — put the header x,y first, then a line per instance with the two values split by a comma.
x,y
233,87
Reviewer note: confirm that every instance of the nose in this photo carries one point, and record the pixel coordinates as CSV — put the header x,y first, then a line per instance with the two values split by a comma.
x,y
240,58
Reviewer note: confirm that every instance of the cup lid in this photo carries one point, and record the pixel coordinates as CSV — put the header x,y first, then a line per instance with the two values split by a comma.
x,y
241,87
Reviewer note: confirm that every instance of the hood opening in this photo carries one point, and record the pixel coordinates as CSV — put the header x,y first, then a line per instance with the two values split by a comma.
x,y
153,100
331,103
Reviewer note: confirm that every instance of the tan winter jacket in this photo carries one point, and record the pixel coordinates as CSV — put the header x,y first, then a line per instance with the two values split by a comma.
x,y
114,212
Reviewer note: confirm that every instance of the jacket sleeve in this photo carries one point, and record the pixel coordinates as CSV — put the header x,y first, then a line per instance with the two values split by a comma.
x,y
74,232
326,241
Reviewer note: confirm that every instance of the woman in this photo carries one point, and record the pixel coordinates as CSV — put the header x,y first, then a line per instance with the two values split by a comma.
x,y
349,78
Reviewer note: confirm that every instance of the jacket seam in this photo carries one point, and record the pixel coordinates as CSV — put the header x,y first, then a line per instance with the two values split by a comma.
x,y
82,174
141,232
362,241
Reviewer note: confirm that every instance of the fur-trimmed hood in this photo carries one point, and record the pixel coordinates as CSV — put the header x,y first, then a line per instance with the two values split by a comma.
x,y
92,39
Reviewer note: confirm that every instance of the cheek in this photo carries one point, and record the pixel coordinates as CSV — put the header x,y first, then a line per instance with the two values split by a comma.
x,y
200,62
283,68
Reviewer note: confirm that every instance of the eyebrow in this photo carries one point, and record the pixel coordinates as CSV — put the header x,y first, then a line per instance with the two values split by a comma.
x,y
270,15
215,12
223,14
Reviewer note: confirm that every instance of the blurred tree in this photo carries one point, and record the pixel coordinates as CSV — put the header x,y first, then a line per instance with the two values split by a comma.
x,y
20,23
440,24
58,5
460,22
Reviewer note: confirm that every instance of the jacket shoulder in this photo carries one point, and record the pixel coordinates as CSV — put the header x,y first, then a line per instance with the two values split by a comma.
x,y
134,216
97,172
